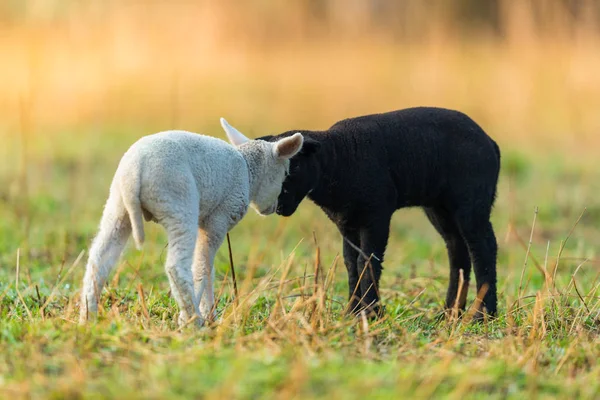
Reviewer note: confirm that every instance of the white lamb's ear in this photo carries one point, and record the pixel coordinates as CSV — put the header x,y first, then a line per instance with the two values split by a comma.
x,y
235,137
288,147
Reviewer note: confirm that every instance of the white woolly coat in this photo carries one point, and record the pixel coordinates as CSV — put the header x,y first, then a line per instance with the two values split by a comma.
x,y
197,187
174,166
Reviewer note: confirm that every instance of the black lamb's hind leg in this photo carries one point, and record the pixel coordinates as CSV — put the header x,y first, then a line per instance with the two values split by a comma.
x,y
373,241
458,256
351,241
483,248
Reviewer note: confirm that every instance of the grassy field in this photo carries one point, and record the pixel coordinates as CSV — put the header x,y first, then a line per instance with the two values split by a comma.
x,y
78,90
286,336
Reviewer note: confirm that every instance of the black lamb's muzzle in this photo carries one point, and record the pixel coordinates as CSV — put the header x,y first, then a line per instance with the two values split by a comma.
x,y
286,206
285,211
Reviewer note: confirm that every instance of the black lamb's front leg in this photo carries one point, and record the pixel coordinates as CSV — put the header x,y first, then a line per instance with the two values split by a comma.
x,y
373,241
351,239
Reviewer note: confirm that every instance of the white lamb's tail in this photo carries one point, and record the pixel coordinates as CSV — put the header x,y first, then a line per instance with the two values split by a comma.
x,y
130,193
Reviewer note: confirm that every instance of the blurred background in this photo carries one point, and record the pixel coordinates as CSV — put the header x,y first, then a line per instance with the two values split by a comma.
x,y
527,71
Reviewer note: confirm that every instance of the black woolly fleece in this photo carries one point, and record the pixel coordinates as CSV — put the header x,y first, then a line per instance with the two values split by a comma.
x,y
360,170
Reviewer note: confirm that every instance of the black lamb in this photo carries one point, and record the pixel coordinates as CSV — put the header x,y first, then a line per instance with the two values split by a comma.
x,y
361,170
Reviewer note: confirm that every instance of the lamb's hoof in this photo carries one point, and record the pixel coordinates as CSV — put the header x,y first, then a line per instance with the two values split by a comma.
x,y
210,314
184,321
450,314
481,316
475,317
371,312
442,316
352,309
375,312
86,317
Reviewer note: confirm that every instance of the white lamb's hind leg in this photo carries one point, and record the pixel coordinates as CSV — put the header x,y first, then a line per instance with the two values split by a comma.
x,y
182,238
210,238
107,246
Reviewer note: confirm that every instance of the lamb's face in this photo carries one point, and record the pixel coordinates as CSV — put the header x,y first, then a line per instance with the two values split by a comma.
x,y
268,176
295,188
301,178
268,163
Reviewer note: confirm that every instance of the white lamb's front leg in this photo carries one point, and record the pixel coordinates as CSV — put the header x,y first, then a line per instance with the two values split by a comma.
x,y
210,238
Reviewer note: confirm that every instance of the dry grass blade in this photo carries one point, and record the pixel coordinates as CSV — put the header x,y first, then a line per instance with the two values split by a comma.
x,y
475,310
360,278
538,329
235,289
563,244
17,286
459,294
359,250
142,300
317,260
527,253
367,340
575,286
40,302
317,308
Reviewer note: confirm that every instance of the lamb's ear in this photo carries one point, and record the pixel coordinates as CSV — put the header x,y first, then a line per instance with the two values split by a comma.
x,y
310,146
235,137
288,147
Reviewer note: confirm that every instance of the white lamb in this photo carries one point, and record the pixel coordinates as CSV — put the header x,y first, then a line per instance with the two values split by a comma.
x,y
197,187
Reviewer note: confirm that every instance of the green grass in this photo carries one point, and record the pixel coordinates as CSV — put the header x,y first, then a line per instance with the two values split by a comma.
x,y
287,336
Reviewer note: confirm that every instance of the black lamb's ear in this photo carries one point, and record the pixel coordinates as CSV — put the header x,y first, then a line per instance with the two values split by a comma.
x,y
310,146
